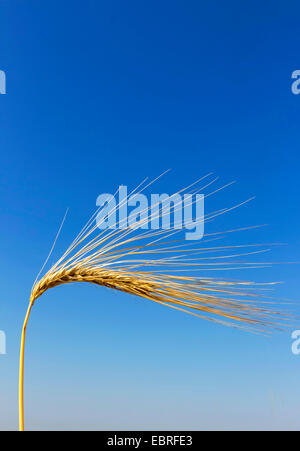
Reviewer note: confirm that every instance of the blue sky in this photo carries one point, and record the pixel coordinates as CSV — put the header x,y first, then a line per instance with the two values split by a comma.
x,y
105,93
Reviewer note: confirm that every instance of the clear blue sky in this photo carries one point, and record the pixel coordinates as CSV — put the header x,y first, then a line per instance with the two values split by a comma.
x,y
105,93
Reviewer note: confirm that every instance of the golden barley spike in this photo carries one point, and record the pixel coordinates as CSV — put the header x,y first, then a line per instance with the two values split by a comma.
x,y
123,259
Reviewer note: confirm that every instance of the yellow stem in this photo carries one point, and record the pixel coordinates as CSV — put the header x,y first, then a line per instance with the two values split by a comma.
x,y
21,371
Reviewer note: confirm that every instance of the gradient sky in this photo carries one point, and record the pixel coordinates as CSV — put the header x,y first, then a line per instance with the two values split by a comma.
x,y
105,93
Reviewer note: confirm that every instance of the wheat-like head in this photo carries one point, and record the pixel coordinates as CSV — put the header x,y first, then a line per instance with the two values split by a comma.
x,y
149,264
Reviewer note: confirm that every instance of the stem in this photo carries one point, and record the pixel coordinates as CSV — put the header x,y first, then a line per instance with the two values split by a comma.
x,y
21,371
